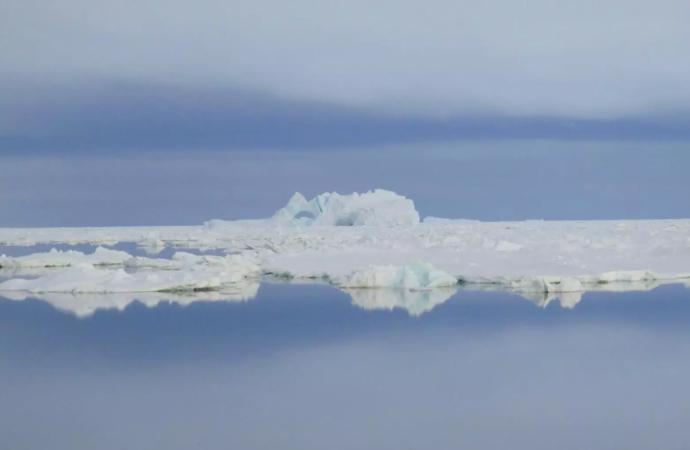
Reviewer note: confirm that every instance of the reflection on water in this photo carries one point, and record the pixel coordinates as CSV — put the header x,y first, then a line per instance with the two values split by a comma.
x,y
84,305
569,300
414,302
309,367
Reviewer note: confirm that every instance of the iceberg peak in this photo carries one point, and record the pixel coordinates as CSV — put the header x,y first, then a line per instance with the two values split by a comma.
x,y
373,208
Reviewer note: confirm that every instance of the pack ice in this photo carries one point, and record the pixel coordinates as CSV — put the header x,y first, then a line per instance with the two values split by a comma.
x,y
359,242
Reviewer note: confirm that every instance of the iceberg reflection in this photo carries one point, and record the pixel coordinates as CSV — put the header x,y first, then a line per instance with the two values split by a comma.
x,y
415,302
86,304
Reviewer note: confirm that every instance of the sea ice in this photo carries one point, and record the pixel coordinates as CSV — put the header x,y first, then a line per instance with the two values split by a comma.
x,y
305,240
58,258
185,272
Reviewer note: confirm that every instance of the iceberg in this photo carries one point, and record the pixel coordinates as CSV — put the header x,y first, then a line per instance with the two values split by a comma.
x,y
414,276
373,208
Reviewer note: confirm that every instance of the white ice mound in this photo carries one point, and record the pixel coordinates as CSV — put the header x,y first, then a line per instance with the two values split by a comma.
x,y
413,276
192,273
373,208
58,258
185,260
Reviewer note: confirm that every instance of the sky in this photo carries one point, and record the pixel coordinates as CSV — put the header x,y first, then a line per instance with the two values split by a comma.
x,y
150,113
80,75
488,180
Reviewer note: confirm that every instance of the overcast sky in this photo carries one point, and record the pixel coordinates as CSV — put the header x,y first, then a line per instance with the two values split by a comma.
x,y
230,73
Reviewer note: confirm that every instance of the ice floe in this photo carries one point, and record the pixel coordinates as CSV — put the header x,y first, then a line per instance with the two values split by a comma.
x,y
184,272
58,258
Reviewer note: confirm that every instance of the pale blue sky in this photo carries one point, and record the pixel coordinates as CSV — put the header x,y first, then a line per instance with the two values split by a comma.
x,y
490,180
152,112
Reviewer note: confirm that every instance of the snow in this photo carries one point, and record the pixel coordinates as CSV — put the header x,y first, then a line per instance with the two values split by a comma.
x,y
532,255
385,246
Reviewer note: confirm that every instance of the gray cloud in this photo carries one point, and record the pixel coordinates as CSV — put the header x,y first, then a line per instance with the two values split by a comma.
x,y
584,60
104,116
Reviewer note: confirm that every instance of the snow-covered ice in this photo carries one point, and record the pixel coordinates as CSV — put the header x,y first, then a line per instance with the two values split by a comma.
x,y
57,258
184,272
384,245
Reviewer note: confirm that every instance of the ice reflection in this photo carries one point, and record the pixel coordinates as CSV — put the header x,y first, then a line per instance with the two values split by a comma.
x,y
300,368
84,305
569,300
418,302
414,302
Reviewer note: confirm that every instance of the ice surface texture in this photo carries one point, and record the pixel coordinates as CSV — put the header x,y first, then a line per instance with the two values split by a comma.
x,y
99,272
370,240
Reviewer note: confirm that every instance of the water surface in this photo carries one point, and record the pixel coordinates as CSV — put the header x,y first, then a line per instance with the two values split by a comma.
x,y
302,367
